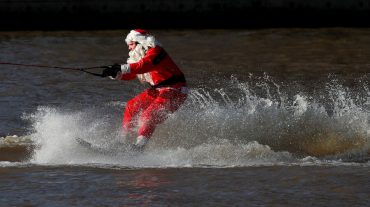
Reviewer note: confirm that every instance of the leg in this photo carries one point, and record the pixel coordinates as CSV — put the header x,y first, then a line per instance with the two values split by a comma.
x,y
134,107
167,102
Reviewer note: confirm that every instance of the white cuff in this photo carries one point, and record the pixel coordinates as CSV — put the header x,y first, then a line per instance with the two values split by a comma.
x,y
125,68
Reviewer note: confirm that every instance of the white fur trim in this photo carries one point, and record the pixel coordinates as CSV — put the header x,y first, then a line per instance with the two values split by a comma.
x,y
145,77
134,36
146,40
125,68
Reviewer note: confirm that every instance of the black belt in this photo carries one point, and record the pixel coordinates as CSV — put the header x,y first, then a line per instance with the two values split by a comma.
x,y
171,81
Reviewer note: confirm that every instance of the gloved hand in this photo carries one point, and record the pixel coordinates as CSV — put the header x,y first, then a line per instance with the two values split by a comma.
x,y
111,70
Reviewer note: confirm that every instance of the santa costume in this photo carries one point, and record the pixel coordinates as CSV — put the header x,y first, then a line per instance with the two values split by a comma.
x,y
167,91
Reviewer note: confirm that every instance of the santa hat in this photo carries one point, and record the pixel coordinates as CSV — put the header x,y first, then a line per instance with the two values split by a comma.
x,y
141,36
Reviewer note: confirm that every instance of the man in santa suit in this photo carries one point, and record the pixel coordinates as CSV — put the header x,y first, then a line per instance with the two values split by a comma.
x,y
167,91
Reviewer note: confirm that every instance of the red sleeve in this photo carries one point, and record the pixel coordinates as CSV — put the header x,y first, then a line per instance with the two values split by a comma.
x,y
146,63
128,76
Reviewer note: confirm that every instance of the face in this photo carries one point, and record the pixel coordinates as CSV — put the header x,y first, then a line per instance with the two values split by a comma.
x,y
131,46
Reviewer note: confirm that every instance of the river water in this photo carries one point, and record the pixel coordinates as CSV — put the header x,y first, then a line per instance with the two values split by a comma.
x,y
275,117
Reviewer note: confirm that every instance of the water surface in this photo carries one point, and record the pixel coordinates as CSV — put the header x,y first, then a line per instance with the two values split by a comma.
x,y
274,117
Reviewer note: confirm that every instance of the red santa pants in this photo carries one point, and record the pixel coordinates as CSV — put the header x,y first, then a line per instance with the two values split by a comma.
x,y
151,108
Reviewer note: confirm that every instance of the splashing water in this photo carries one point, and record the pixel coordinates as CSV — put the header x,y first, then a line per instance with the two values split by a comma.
x,y
254,122
330,123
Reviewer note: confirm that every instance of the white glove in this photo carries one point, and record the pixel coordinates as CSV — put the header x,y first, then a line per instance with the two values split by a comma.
x,y
125,68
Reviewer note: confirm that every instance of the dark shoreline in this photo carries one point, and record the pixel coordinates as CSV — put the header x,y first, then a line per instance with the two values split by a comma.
x,y
177,14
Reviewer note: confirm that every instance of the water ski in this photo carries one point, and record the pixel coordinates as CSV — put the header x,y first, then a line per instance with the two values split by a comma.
x,y
96,148
91,146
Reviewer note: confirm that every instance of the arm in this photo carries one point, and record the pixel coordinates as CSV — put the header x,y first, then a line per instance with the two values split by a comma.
x,y
128,76
146,64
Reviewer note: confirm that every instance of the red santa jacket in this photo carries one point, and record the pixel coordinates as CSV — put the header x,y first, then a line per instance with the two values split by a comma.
x,y
156,68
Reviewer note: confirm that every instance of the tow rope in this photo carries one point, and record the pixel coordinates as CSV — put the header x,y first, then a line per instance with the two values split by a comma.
x,y
57,67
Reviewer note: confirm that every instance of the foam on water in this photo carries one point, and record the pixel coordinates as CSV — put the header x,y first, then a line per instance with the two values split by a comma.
x,y
255,122
55,134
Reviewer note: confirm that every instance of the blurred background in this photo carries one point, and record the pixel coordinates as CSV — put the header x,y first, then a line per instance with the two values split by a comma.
x,y
122,14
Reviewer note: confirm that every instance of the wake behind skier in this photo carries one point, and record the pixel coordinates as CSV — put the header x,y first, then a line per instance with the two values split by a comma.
x,y
167,91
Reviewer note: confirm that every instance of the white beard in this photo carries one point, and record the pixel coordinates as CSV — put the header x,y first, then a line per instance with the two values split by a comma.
x,y
135,56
